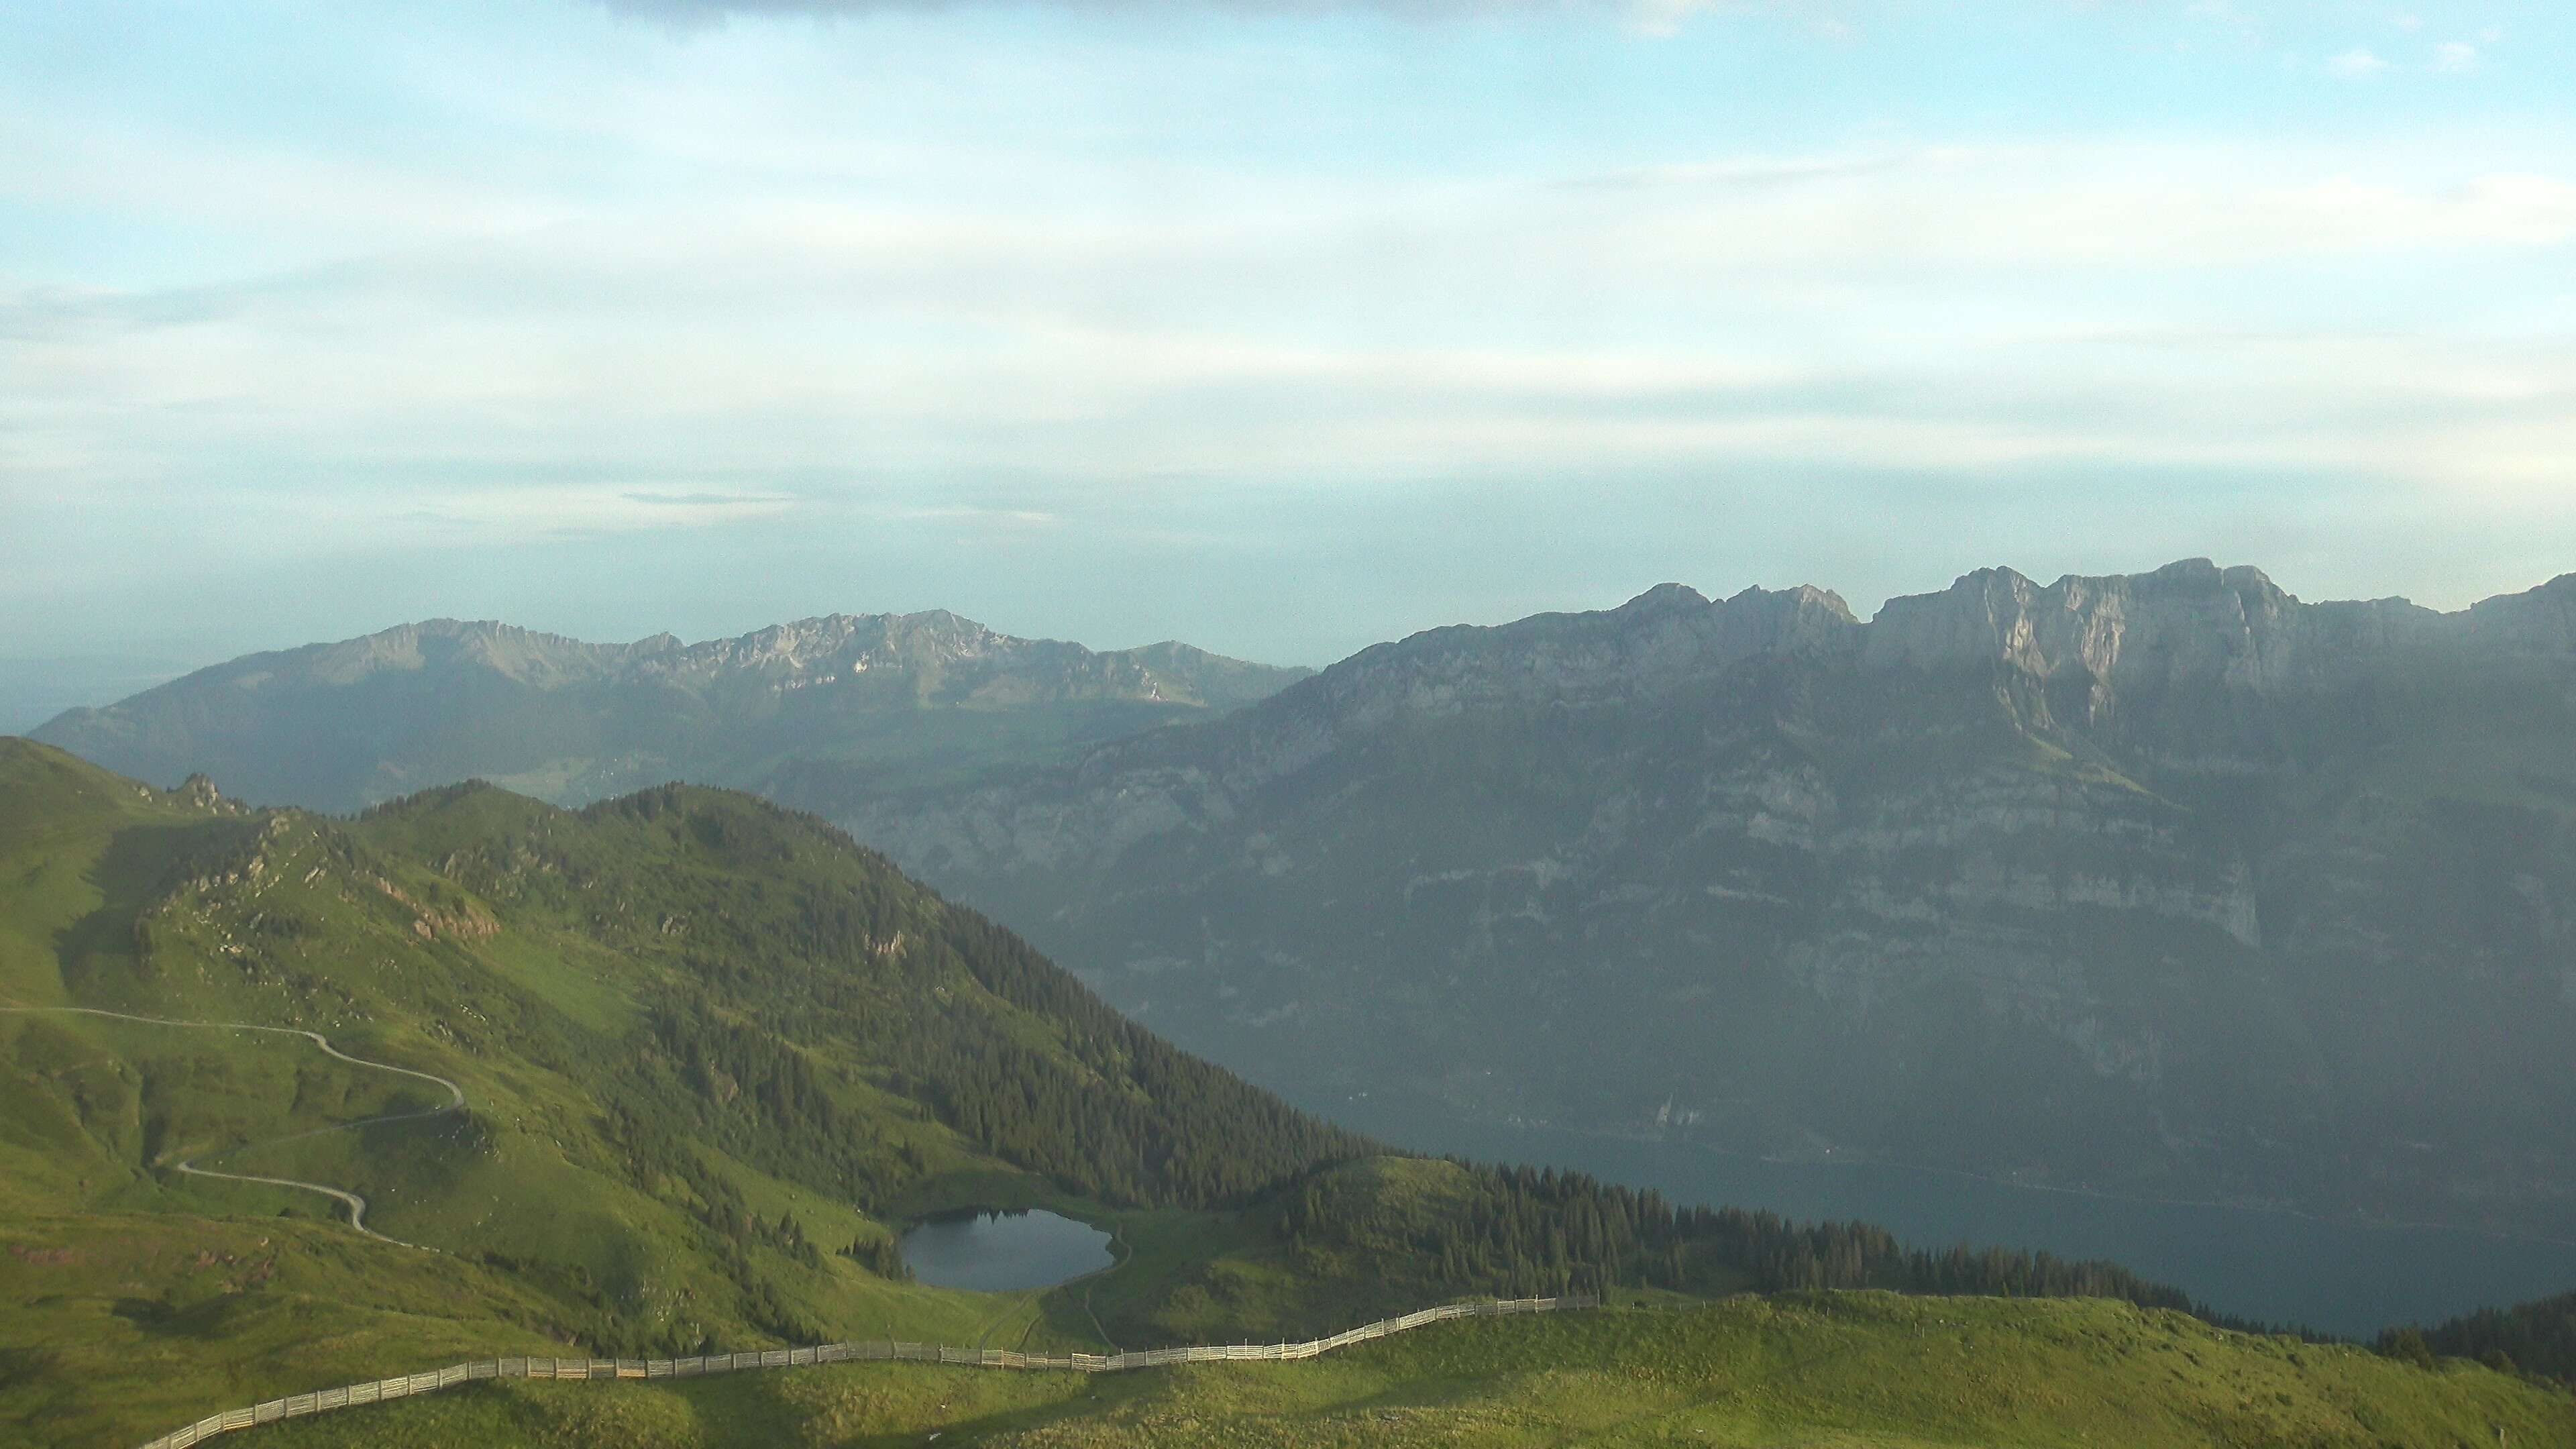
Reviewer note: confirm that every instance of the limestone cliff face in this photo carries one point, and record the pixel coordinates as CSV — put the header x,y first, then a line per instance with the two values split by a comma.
x,y
2167,881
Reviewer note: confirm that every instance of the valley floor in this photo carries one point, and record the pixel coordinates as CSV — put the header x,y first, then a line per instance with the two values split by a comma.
x,y
1846,1369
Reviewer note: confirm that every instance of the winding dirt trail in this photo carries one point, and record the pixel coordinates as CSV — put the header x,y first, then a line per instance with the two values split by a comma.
x,y
356,1205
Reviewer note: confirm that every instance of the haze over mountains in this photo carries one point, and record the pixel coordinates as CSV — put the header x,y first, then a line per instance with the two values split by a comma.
x,y
2165,883
809,710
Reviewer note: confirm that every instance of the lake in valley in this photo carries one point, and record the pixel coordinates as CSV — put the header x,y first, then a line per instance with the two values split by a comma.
x,y
1002,1252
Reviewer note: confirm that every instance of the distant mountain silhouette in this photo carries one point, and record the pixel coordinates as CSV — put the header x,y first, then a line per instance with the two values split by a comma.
x,y
809,710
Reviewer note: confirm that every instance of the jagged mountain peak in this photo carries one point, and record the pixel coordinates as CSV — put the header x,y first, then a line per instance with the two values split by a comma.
x,y
1664,597
2200,574
1801,596
1657,641
2190,617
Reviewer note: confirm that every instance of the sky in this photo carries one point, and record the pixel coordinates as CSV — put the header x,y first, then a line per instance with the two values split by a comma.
x,y
1279,326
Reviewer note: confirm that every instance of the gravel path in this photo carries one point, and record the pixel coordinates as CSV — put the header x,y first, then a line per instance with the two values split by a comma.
x,y
356,1205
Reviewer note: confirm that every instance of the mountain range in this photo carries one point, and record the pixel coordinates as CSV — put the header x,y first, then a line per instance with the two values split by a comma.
x,y
812,710
2167,884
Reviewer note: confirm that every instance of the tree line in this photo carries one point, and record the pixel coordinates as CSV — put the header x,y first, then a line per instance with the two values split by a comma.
x,y
2536,1339
1516,1231
904,993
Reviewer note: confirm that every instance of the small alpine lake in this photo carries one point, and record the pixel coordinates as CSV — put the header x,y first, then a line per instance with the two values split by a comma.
x,y
993,1250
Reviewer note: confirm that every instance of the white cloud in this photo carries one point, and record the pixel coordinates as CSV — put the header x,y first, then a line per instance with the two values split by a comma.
x,y
2356,64
774,291
519,511
2455,57
94,158
1662,18
767,284
2093,207
1019,518
2225,15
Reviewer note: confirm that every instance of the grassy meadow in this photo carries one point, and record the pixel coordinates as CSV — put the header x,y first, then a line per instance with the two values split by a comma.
x,y
1840,1369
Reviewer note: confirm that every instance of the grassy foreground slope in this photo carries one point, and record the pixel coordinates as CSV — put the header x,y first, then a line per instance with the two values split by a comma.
x,y
714,1055
1846,1369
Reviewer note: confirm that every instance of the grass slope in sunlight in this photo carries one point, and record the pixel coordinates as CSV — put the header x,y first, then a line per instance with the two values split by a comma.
x,y
708,1047
1846,1369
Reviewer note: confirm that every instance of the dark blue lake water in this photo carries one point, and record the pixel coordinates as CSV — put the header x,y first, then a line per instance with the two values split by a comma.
x,y
2341,1277
1003,1252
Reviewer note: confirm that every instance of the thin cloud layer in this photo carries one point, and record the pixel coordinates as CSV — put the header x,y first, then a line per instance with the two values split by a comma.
x,y
702,11
991,306
1652,18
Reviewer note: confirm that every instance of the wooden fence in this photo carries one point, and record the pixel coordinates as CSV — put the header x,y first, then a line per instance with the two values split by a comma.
x,y
296,1406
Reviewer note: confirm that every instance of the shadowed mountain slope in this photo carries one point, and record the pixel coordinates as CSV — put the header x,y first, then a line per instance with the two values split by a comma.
x,y
2166,883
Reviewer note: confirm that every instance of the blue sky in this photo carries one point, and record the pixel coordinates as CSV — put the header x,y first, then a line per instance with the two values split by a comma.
x,y
1281,327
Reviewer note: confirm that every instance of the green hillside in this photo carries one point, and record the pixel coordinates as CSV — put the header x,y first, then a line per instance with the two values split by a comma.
x,y
1862,1369
714,1056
